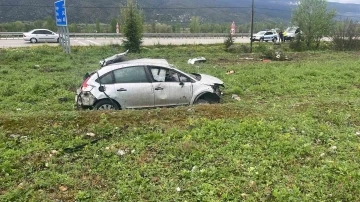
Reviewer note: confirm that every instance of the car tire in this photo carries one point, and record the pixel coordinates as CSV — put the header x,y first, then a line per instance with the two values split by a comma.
x,y
261,40
274,40
202,102
58,40
33,40
106,105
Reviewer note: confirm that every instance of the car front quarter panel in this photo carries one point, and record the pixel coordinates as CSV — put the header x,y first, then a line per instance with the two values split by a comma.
x,y
201,89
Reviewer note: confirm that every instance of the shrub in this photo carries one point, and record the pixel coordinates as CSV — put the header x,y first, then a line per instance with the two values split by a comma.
x,y
229,41
272,52
341,44
261,48
346,36
298,44
239,49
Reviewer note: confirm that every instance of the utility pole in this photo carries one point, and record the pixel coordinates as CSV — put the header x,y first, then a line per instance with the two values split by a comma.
x,y
252,26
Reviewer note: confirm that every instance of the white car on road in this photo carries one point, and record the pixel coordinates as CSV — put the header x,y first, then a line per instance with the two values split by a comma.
x,y
259,36
41,35
270,36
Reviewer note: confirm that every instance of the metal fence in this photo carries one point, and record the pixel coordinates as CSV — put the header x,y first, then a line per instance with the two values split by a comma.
x,y
17,35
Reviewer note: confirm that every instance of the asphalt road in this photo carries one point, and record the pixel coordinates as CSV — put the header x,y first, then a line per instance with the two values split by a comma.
x,y
8,43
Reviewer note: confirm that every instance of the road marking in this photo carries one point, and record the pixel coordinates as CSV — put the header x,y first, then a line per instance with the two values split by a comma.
x,y
93,42
80,42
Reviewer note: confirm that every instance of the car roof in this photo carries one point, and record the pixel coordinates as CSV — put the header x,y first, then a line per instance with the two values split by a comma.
x,y
128,63
40,29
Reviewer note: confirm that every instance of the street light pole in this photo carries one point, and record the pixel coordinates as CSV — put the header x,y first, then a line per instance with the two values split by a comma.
x,y
252,26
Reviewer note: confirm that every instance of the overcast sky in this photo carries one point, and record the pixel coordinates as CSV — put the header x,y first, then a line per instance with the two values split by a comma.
x,y
346,1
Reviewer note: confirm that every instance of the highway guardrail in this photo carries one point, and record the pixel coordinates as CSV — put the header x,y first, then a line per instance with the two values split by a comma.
x,y
17,35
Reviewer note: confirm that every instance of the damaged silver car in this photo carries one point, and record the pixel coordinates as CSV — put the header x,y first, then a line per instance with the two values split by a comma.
x,y
145,83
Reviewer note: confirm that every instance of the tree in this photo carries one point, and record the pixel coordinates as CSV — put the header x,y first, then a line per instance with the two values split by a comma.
x,y
132,26
195,24
345,36
113,25
98,28
74,28
19,26
314,19
50,23
39,24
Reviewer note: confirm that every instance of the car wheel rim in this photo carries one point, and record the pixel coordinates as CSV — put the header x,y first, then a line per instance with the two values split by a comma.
x,y
106,107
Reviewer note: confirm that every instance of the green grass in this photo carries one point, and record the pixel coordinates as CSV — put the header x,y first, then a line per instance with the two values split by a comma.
x,y
292,137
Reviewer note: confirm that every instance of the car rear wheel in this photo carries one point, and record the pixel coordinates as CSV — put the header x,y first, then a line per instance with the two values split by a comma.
x,y
106,105
60,39
33,40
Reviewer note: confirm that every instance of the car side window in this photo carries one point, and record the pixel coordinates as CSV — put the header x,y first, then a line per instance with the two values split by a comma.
x,y
46,32
167,75
158,74
37,32
172,76
134,74
106,79
184,78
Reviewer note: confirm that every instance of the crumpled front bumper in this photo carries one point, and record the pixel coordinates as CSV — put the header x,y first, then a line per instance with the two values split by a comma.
x,y
219,89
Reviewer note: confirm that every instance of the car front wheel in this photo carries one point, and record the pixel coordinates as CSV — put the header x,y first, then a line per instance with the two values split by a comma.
x,y
106,105
33,40
202,102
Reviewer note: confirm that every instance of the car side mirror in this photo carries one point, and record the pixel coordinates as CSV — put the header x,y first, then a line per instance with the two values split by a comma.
x,y
181,83
102,89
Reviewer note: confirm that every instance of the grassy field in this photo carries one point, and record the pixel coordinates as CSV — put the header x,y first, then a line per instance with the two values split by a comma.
x,y
293,136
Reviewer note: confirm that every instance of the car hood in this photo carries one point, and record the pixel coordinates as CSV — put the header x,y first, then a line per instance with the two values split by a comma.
x,y
210,80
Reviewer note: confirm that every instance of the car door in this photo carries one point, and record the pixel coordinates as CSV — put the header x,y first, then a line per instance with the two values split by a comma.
x,y
268,36
49,36
170,87
38,35
133,87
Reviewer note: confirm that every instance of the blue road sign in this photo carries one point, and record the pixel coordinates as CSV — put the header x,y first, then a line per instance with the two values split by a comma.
x,y
60,13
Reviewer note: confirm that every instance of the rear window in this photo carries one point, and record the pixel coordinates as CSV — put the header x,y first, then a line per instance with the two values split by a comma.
x,y
106,79
134,74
